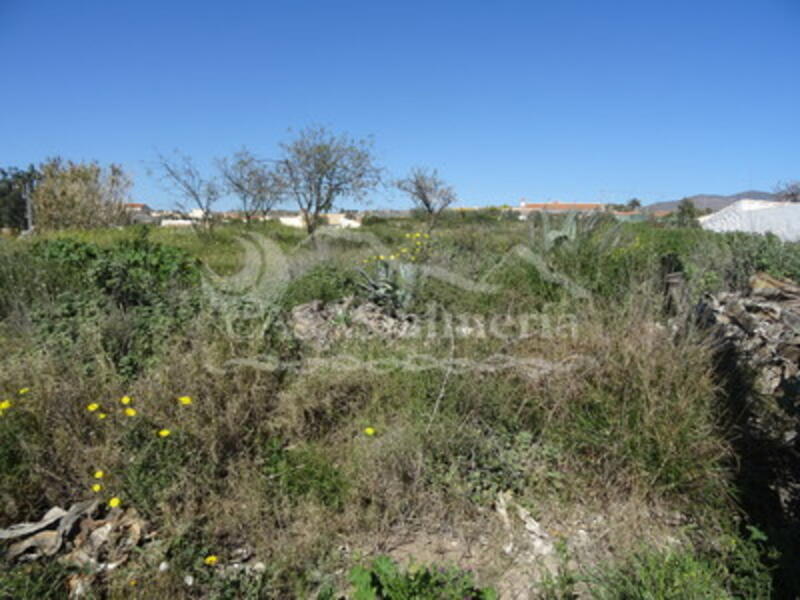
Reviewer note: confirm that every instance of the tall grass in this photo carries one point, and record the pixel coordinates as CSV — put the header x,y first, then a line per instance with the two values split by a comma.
x,y
279,461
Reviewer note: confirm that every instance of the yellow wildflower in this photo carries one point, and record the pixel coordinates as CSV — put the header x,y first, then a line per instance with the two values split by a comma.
x,y
416,235
369,431
96,487
211,560
101,416
164,432
130,412
185,400
92,407
24,391
5,405
114,502
99,474
427,235
125,400
381,257
393,257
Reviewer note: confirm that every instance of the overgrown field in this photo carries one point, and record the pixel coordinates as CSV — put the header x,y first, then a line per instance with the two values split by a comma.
x,y
554,429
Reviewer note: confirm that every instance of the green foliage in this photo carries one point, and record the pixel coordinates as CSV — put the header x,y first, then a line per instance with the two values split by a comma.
x,y
384,580
89,314
19,437
70,194
392,287
479,465
687,213
131,296
326,281
303,472
141,273
35,581
14,185
684,575
156,464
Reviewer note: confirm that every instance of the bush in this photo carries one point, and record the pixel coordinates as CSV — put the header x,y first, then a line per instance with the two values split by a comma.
x,y
684,575
71,194
302,472
34,582
325,282
384,580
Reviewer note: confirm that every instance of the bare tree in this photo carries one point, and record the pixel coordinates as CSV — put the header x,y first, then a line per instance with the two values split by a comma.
x,y
428,191
252,181
789,192
320,167
181,175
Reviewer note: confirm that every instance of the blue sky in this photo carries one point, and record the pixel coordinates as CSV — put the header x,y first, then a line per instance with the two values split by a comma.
x,y
569,100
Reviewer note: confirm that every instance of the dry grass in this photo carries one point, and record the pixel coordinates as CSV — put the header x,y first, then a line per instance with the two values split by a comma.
x,y
278,462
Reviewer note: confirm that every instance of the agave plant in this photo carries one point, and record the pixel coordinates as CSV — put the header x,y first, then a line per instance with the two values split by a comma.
x,y
391,286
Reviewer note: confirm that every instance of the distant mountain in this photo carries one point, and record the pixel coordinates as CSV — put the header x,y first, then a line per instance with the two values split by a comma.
x,y
713,201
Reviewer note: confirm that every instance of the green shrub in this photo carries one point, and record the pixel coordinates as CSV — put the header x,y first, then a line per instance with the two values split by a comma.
x,y
140,273
155,465
325,282
302,472
384,580
36,581
684,575
20,485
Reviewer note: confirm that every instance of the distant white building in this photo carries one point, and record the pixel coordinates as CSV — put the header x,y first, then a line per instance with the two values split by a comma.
x,y
176,222
339,220
295,221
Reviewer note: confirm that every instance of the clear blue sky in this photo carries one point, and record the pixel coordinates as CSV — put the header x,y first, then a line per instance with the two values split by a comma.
x,y
570,100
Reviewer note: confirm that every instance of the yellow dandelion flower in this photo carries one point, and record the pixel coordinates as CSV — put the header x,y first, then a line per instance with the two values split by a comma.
x,y
416,235
92,407
101,416
24,391
185,400
408,235
393,257
5,405
130,412
369,431
96,487
164,432
427,235
211,560
114,502
99,474
381,257
125,400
